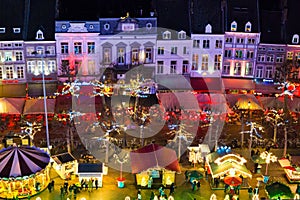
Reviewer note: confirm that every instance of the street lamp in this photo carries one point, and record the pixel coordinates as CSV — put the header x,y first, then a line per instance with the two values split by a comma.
x,y
42,56
268,157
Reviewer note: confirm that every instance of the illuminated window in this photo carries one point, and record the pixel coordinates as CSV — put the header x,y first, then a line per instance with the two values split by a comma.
x,y
148,55
160,67
8,55
238,53
237,68
135,56
250,54
91,47
106,26
173,67
39,35
40,50
167,35
51,66
17,30
77,47
148,26
204,65
196,43
51,50
78,67
233,26
181,35
290,55
248,69
30,66
248,27
173,50
9,72
107,55
217,63
295,39
226,68
195,62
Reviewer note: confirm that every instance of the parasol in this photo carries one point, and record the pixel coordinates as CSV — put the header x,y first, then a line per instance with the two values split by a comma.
x,y
194,175
233,180
278,189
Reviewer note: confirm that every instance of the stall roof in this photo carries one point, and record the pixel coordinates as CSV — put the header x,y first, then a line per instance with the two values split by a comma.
x,y
36,106
153,156
238,84
63,158
90,168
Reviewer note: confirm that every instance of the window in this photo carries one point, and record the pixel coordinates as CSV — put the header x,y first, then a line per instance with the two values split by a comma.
x,y
19,55
279,58
269,72
218,44
226,68
121,56
250,54
195,62
173,67
17,30
18,44
261,58
148,26
229,40
227,54
240,40
40,67
91,67
261,48
30,66
135,56
271,49
20,72
1,73
208,28
238,53
237,68
248,69
167,35
259,72
9,72
248,27
181,35
78,67
270,58
40,50
185,66
217,64
205,44
290,55
65,67
51,66
196,43
106,26
8,56
298,56
233,26
160,67
91,47
251,41
160,51
51,50
39,35
185,51
64,48
106,55
148,55
2,30
173,50
77,47
295,39
204,65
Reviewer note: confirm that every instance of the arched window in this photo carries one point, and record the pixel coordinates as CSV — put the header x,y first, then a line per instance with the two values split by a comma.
x,y
248,27
208,28
39,35
295,39
233,26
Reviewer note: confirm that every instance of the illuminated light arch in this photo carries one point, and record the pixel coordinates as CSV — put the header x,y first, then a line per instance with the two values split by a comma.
x,y
231,158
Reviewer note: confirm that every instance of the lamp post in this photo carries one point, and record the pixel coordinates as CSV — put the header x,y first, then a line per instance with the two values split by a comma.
x,y
42,56
268,157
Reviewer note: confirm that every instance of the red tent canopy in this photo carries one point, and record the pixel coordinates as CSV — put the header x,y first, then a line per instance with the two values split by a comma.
x,y
153,156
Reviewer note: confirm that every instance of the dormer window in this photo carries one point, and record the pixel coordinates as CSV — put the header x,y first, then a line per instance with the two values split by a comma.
x,y
148,26
106,26
39,35
295,39
167,35
233,26
17,30
63,26
91,26
2,30
181,35
248,27
208,28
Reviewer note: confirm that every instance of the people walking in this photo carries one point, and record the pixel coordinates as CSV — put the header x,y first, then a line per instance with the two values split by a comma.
x,y
96,183
139,195
256,191
172,189
194,183
90,185
250,192
198,185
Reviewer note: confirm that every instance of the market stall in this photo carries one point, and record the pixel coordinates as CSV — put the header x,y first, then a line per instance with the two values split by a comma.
x,y
91,171
198,153
158,168
65,165
24,171
220,166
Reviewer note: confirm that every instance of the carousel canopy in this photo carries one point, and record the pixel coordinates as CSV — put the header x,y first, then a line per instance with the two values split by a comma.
x,y
154,156
22,161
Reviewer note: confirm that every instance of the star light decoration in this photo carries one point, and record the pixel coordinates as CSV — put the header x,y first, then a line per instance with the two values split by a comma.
x,y
72,88
268,157
101,89
30,129
287,89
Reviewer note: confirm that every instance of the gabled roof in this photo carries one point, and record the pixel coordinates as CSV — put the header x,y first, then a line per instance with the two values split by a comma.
x,y
153,156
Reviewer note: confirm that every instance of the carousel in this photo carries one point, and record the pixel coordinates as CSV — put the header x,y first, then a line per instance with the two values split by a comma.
x,y
24,171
